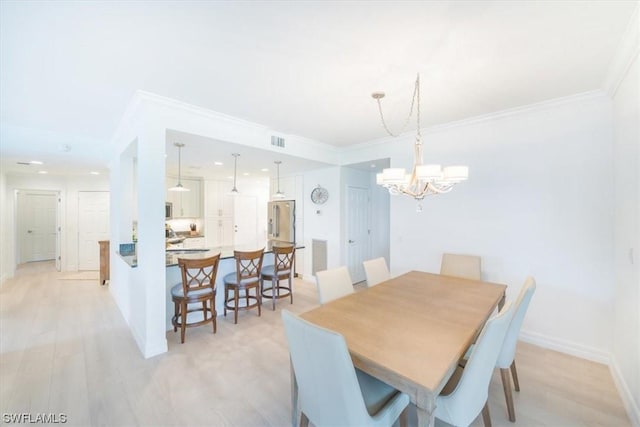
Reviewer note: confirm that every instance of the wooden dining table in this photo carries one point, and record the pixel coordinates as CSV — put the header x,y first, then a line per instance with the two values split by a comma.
x,y
410,331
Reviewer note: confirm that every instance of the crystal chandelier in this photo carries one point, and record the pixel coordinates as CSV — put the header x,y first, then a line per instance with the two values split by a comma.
x,y
424,179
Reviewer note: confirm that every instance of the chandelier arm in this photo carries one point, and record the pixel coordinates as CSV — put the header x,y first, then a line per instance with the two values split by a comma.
x,y
440,189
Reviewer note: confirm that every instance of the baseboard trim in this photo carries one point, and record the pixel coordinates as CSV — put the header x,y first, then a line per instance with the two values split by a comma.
x,y
571,348
625,394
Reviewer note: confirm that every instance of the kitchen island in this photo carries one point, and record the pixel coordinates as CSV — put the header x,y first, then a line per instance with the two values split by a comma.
x,y
227,265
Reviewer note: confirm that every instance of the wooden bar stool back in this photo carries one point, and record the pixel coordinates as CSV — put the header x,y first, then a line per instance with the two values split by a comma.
x,y
282,268
245,278
198,287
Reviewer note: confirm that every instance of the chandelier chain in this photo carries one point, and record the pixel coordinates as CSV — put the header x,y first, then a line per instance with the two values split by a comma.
x,y
414,98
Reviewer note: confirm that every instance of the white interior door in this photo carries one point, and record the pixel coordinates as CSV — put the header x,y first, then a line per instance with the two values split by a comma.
x,y
93,226
37,226
358,232
245,217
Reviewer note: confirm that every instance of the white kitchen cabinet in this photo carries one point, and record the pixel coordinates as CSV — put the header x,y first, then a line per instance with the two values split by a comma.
x,y
218,231
218,198
186,204
219,214
194,243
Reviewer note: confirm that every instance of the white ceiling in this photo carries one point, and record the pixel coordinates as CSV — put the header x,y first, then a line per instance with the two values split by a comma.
x,y
68,69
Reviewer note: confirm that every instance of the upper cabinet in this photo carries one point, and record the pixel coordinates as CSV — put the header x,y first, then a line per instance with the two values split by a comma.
x,y
218,198
186,204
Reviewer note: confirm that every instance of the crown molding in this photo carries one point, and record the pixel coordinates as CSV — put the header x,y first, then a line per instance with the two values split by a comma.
x,y
525,109
626,52
142,96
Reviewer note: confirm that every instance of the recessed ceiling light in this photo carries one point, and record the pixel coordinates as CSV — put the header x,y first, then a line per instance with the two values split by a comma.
x,y
218,163
94,173
35,162
43,172
246,174
230,177
264,170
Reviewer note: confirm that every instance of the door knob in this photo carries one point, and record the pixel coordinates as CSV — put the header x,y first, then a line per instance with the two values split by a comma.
x,y
351,241
29,231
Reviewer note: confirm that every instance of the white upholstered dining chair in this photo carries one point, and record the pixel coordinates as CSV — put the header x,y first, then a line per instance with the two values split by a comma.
x,y
506,359
331,391
469,396
376,271
333,284
464,266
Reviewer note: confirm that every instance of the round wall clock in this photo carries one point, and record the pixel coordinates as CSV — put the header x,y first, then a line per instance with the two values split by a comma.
x,y
319,195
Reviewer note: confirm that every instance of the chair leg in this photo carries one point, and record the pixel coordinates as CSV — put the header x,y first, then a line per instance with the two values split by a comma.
x,y
290,289
273,293
204,309
259,298
226,299
183,324
235,308
304,421
514,374
486,417
404,417
506,385
213,314
175,315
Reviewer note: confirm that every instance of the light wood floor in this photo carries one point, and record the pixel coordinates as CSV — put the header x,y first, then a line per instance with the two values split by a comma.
x,y
64,348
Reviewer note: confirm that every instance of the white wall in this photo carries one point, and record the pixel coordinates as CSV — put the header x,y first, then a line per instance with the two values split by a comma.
x,y
323,221
538,201
626,336
6,266
68,186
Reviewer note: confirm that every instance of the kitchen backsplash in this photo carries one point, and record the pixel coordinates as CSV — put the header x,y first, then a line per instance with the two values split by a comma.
x,y
183,224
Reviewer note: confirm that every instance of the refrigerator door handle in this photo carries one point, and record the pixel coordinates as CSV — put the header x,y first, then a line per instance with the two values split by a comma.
x,y
277,221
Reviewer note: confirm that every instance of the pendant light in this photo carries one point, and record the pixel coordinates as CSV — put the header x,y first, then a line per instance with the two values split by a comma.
x,y
179,186
234,190
279,194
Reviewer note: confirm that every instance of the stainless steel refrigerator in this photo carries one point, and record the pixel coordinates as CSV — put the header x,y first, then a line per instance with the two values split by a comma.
x,y
281,226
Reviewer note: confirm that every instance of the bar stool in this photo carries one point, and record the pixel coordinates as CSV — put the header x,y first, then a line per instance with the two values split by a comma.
x,y
198,286
245,278
282,268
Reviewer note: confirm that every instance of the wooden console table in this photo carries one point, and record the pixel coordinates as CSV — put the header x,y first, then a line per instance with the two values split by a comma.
x,y
104,261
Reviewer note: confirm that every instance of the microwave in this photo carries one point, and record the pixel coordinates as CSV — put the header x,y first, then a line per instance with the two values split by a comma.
x,y
168,210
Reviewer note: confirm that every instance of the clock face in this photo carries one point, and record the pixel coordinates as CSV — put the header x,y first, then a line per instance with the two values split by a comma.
x,y
319,195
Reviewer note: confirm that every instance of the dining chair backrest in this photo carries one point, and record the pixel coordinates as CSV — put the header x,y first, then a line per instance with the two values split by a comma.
x,y
464,266
198,274
283,257
376,271
466,401
248,265
328,389
508,352
333,284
